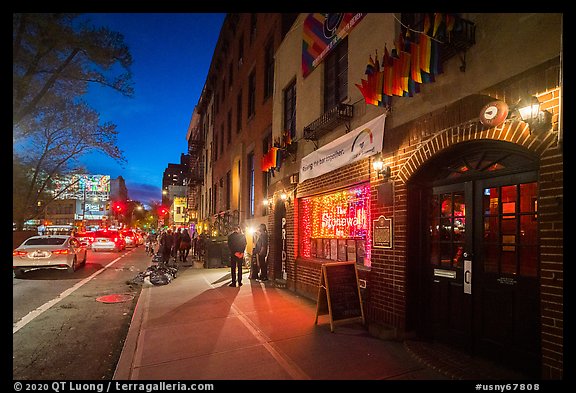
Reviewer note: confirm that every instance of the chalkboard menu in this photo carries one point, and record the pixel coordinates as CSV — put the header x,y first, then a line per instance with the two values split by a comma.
x,y
339,294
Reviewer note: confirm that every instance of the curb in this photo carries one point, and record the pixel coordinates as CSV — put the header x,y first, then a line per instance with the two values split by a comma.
x,y
127,356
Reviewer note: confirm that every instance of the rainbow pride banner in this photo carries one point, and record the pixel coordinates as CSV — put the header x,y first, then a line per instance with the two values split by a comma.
x,y
321,34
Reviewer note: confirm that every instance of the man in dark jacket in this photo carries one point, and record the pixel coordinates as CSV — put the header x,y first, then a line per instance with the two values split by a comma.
x,y
166,244
236,245
177,236
262,250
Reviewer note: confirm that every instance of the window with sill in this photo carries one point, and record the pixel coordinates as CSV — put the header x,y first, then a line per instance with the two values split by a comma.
x,y
269,70
252,94
239,112
336,75
251,174
290,109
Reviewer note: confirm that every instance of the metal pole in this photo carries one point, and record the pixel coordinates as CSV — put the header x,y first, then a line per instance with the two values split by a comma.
x,y
84,209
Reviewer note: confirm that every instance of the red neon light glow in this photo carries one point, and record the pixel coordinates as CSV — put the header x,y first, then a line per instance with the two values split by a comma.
x,y
341,215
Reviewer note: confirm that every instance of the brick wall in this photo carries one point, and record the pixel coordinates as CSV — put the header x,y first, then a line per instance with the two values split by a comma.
x,y
551,213
409,147
387,300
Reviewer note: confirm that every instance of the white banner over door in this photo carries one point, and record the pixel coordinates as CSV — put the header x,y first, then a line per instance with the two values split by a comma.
x,y
356,145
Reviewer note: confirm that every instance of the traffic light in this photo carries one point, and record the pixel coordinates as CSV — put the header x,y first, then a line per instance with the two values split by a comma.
x,y
163,210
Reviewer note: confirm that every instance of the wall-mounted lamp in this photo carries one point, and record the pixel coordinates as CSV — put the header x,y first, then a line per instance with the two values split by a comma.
x,y
285,197
267,203
529,111
380,169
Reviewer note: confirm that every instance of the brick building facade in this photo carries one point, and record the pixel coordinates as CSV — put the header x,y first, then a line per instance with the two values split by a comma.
x,y
236,115
404,294
475,211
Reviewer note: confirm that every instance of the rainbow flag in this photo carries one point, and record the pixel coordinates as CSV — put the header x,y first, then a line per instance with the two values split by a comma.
x,y
316,44
425,52
269,160
416,76
370,67
437,21
414,60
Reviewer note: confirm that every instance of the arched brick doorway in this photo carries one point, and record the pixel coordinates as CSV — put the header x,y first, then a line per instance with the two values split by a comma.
x,y
473,251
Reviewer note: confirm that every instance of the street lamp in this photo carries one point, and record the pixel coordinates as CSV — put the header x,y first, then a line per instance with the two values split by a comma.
x,y
139,207
530,112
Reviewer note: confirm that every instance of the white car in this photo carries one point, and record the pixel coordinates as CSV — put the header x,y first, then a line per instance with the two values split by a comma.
x,y
108,240
130,237
48,252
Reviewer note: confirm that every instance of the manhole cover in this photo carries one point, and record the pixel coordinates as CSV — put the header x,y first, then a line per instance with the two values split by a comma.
x,y
116,298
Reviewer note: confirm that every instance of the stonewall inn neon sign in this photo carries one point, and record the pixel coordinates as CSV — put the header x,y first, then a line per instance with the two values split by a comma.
x,y
344,214
343,221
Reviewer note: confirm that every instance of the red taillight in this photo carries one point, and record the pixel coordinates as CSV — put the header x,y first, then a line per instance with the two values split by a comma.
x,y
18,253
61,252
115,240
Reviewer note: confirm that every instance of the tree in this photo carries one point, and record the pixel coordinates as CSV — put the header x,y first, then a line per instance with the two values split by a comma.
x,y
64,133
53,59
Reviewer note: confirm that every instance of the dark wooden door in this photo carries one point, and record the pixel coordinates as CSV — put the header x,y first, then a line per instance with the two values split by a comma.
x,y
450,240
506,283
475,208
484,269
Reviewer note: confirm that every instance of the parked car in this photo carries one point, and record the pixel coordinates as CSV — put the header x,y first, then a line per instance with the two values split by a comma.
x,y
48,252
108,240
140,236
56,229
85,238
130,237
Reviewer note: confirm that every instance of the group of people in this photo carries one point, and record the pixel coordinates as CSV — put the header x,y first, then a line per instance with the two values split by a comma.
x,y
175,244
237,245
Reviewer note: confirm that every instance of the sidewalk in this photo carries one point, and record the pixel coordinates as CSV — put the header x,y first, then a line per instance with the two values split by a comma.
x,y
198,328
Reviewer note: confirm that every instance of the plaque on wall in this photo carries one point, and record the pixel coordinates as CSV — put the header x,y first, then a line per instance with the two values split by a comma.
x,y
382,232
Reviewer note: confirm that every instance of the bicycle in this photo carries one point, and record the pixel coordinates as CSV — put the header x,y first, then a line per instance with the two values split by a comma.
x,y
150,248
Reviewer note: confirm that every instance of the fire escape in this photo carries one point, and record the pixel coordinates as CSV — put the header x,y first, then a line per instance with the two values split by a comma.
x,y
337,115
196,173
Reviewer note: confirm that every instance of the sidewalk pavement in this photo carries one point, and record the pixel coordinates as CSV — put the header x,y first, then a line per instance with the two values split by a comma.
x,y
198,328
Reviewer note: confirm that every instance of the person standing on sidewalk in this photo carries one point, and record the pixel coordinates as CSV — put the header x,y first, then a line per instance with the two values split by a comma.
x,y
254,268
166,244
262,249
185,245
237,245
176,246
195,242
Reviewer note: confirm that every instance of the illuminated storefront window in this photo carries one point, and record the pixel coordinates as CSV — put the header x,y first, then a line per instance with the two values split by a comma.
x,y
336,226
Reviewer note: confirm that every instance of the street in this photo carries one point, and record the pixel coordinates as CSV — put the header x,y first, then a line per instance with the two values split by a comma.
x,y
67,326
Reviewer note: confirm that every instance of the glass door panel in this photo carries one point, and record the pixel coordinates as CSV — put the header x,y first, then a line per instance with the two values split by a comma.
x,y
448,229
510,229
448,240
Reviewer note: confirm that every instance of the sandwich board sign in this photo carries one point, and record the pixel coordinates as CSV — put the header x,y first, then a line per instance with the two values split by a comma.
x,y
339,294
